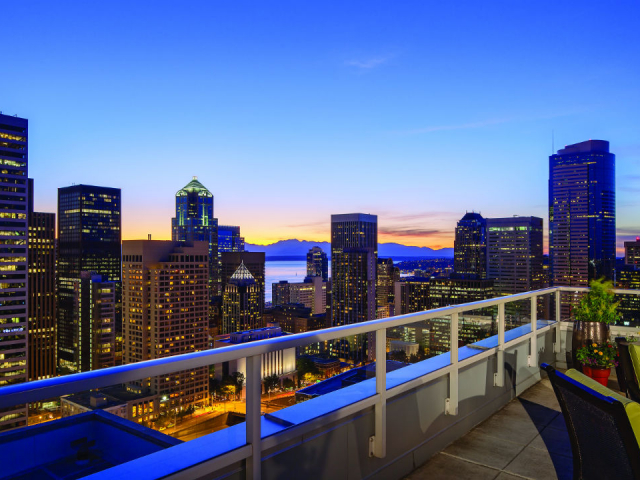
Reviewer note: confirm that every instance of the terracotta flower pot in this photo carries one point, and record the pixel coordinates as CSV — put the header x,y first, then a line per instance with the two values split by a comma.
x,y
599,374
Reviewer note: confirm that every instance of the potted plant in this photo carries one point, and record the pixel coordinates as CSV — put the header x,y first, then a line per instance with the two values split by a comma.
x,y
597,360
596,311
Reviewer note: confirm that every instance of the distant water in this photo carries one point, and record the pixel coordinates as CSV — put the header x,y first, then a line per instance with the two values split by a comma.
x,y
293,271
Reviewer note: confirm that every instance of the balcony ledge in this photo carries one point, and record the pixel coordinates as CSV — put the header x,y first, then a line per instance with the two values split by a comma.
x,y
227,447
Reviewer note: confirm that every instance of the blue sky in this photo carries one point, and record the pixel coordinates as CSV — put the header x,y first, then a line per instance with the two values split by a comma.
x,y
291,111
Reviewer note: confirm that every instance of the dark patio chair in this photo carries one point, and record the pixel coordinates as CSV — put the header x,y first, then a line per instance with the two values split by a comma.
x,y
603,441
627,379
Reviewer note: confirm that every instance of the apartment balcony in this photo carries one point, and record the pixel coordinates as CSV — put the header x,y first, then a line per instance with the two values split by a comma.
x,y
481,410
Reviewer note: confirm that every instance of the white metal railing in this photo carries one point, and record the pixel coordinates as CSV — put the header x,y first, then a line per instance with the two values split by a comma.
x,y
54,387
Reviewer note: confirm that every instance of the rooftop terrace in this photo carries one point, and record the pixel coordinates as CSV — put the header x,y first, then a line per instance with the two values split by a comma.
x,y
444,412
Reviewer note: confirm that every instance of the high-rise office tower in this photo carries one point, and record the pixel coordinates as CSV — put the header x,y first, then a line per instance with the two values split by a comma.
x,y
514,254
628,277
312,293
42,293
229,239
194,222
89,240
317,263
354,261
241,302
582,219
454,291
13,254
387,275
165,299
280,293
253,261
96,313
470,247
632,253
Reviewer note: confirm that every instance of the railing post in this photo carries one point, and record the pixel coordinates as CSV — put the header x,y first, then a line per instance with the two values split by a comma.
x,y
533,355
451,403
498,377
253,418
556,346
378,443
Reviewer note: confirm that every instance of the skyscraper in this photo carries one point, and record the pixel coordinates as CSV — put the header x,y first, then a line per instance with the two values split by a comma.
x,y
96,313
13,254
241,302
514,254
194,222
317,263
582,222
42,293
632,253
354,259
89,240
312,293
470,247
165,298
628,277
387,275
253,261
229,239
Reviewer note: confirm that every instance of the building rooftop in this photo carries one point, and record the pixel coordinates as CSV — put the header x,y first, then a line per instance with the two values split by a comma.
x,y
585,147
472,216
106,397
194,186
242,275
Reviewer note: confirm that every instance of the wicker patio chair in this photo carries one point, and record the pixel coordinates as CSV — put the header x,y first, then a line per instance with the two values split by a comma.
x,y
629,382
603,441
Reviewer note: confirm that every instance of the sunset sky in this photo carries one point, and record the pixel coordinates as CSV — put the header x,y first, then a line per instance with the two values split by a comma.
x,y
291,111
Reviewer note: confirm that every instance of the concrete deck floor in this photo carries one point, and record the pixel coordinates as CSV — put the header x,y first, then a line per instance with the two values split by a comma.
x,y
526,439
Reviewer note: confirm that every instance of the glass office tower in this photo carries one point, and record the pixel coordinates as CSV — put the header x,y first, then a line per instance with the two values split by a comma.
x,y
13,255
89,240
470,247
582,218
354,261
229,239
194,222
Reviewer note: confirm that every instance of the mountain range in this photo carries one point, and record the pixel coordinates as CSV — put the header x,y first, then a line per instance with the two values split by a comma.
x,y
298,248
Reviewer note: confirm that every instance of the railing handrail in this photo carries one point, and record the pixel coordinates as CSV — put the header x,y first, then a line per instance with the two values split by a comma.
x,y
29,392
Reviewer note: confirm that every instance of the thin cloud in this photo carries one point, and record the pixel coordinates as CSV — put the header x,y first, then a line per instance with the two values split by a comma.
x,y
369,63
311,224
628,231
462,126
490,121
410,232
420,215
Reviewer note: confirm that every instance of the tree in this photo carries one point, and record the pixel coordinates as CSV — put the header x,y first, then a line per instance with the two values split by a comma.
x,y
271,382
414,358
287,383
215,386
238,382
305,365
398,356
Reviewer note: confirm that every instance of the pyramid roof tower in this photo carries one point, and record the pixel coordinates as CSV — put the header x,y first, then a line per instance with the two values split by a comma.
x,y
194,186
242,275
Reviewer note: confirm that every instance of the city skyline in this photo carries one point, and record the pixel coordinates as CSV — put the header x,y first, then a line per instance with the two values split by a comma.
x,y
399,106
